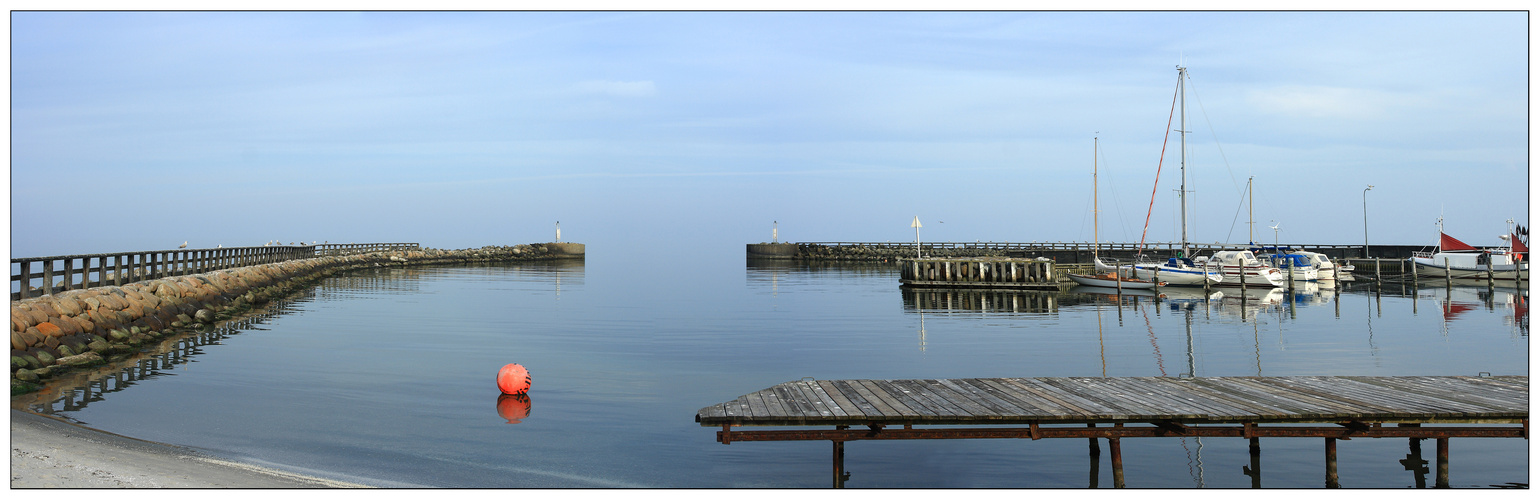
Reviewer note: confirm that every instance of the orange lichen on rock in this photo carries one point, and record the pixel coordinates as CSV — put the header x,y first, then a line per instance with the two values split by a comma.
x,y
49,329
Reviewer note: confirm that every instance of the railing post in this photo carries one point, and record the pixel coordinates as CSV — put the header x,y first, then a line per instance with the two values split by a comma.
x,y
69,273
26,280
48,277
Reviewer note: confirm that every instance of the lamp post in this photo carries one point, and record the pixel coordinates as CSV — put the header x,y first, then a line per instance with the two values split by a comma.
x,y
1366,220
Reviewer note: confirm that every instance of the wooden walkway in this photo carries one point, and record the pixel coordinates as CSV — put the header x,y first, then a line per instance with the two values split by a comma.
x,y
1128,399
1073,407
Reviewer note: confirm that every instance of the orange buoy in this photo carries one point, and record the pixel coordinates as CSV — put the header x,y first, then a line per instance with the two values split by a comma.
x,y
513,379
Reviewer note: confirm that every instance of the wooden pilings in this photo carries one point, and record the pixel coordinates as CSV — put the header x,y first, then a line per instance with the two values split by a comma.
x,y
978,272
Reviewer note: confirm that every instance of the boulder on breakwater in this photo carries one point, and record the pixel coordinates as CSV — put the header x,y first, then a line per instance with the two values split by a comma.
x,y
113,321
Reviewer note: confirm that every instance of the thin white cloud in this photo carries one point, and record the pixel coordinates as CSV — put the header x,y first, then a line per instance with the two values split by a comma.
x,y
1326,102
644,88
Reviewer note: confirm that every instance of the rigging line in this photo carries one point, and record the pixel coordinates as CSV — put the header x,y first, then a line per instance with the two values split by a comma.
x,y
1236,218
1222,156
1115,198
1158,165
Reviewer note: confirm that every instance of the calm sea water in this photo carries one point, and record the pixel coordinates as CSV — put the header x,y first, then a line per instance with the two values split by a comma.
x,y
385,377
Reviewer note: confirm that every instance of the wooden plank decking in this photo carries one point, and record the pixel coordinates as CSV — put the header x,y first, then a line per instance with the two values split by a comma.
x,y
1091,400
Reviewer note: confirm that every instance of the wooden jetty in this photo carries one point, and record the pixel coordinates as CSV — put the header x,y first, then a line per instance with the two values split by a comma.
x,y
979,272
69,272
1127,407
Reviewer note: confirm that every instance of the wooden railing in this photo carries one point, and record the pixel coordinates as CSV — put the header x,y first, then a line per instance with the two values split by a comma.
x,y
36,276
1069,245
1163,247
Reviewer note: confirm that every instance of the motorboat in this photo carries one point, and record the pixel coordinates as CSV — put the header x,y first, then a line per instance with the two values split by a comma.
x,y
1458,260
1296,265
1326,269
1234,266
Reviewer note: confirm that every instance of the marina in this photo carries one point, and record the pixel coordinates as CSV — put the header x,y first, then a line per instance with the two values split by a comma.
x,y
862,227
613,394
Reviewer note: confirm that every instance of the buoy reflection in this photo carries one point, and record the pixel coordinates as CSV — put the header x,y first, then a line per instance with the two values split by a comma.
x,y
513,407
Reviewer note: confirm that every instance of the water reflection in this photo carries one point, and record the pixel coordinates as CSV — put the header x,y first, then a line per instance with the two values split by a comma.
x,y
937,300
1455,302
74,391
513,407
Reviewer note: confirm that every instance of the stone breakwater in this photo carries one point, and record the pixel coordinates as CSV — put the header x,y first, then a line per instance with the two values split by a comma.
x,y
78,328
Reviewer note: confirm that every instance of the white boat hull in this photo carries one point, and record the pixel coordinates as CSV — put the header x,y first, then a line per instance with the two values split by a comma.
x,y
1176,277
1110,282
1436,268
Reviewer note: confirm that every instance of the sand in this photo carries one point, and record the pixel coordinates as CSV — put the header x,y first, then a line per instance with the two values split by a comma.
x,y
47,452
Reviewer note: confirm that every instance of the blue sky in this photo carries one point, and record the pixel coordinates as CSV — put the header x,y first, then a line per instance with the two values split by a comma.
x,y
139,130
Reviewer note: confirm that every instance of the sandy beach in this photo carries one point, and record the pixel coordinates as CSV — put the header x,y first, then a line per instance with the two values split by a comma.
x,y
52,453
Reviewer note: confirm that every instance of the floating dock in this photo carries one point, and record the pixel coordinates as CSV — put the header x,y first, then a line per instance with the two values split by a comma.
x,y
1125,407
979,272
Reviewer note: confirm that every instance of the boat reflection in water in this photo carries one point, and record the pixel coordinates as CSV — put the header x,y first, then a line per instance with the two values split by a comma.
x,y
1456,301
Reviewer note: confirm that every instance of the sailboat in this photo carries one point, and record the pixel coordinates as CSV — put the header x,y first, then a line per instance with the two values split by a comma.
x,y
1113,279
1179,270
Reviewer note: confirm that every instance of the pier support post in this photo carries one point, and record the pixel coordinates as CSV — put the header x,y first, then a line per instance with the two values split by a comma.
x,y
1331,463
1255,470
1116,448
839,464
1290,270
1414,462
1096,465
1442,479
1096,460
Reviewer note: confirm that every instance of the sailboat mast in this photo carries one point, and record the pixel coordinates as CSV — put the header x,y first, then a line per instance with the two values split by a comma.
x,y
1181,77
1095,206
1251,217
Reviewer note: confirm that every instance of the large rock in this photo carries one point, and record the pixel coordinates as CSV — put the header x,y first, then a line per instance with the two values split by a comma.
x,y
81,359
50,329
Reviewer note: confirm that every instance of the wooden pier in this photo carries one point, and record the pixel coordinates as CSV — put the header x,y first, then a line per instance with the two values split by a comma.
x,y
1340,408
70,272
979,272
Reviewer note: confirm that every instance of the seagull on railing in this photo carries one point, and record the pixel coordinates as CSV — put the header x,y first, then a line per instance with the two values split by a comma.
x,y
184,245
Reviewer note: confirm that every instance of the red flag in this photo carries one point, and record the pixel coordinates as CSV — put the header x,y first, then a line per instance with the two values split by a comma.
x,y
1518,246
1447,243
